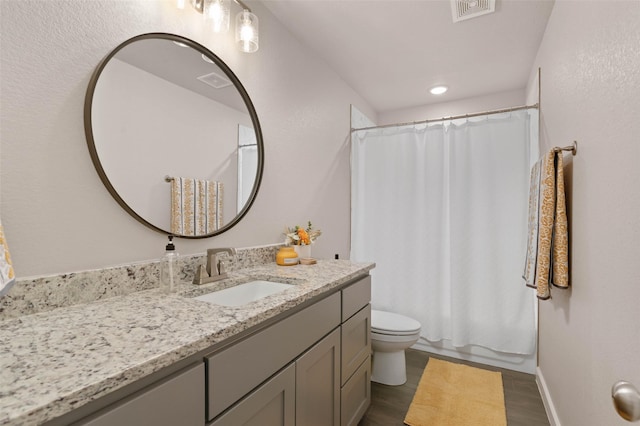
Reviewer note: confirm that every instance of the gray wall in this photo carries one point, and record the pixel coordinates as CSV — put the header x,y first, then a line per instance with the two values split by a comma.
x,y
589,335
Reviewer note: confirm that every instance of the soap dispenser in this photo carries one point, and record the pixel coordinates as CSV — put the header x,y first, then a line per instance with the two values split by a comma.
x,y
169,269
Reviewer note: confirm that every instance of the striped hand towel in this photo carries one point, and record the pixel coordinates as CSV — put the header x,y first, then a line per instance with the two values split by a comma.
x,y
547,260
196,206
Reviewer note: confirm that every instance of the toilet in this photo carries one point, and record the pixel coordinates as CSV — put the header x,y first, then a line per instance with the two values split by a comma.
x,y
391,334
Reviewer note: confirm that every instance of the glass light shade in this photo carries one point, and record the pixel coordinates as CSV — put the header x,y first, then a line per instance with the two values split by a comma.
x,y
247,31
216,13
198,5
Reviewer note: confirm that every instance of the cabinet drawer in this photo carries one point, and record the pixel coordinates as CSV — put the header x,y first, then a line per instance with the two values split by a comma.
x,y
356,341
356,395
235,371
178,400
355,297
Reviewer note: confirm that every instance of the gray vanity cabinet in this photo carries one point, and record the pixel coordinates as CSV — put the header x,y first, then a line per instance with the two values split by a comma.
x,y
235,371
177,400
315,364
306,392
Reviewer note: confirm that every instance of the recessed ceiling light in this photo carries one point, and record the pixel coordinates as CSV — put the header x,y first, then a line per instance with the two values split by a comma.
x,y
438,90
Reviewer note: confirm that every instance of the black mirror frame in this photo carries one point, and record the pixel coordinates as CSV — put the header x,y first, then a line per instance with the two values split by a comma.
x,y
238,85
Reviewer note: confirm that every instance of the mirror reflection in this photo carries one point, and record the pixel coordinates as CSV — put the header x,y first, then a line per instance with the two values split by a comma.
x,y
174,136
247,163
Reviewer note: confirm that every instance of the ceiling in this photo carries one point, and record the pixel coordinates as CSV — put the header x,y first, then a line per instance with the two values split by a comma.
x,y
392,51
184,66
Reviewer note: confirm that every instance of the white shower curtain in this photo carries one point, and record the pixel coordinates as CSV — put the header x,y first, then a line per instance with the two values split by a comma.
x,y
441,209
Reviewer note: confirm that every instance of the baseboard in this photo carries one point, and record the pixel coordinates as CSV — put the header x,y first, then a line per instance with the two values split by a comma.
x,y
546,399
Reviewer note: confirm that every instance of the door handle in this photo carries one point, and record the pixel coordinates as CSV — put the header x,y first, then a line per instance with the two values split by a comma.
x,y
626,400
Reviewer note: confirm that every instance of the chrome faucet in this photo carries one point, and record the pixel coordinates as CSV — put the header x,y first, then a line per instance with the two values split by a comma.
x,y
215,269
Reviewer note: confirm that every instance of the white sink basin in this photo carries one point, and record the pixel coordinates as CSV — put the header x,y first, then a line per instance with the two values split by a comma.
x,y
244,293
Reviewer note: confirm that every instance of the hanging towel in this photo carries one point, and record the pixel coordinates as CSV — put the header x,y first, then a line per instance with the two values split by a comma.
x,y
7,276
547,260
196,206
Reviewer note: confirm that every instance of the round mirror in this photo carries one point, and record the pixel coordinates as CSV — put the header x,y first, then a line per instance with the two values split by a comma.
x,y
174,136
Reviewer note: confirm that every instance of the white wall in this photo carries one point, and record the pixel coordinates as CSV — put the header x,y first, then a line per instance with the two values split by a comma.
x,y
451,108
57,215
590,92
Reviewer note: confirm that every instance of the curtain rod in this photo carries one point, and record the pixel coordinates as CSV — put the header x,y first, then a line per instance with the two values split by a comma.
x,y
455,117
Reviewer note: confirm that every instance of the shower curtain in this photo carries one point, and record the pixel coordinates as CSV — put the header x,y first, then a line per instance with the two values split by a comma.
x,y
441,209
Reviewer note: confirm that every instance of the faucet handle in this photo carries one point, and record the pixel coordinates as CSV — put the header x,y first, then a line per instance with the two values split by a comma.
x,y
222,269
201,275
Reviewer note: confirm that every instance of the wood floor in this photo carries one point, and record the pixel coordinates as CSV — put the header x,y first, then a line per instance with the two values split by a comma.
x,y
389,404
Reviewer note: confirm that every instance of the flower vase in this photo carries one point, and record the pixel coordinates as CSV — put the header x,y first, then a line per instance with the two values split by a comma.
x,y
304,251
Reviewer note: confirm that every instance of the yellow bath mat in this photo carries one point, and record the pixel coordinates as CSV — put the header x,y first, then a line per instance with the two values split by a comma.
x,y
457,395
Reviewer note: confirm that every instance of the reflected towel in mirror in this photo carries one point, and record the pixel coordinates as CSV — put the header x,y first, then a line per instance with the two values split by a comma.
x,y
7,275
196,206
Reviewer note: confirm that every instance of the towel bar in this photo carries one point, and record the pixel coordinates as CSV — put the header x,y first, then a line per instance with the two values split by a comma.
x,y
573,148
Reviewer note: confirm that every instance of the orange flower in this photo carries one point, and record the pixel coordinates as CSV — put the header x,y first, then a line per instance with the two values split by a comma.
x,y
300,236
304,237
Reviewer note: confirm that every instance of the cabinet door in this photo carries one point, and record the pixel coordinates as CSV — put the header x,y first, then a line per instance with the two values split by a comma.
x,y
272,404
318,383
356,395
178,400
356,342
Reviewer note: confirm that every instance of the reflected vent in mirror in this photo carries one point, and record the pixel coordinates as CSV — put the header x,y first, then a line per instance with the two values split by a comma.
x,y
215,80
467,9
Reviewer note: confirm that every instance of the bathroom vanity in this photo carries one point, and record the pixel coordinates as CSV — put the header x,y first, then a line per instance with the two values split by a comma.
x,y
301,356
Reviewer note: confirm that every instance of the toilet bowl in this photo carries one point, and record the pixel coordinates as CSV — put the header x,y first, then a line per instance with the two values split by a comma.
x,y
391,334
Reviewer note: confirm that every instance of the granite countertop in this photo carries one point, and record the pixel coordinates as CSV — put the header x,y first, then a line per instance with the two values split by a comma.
x,y
53,362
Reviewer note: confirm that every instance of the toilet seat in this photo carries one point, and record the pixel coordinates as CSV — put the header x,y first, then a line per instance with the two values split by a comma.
x,y
389,323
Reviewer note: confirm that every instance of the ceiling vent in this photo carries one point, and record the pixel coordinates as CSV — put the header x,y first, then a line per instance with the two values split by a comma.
x,y
467,9
215,80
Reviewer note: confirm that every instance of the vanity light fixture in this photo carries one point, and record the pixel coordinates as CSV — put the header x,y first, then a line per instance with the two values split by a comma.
x,y
216,13
247,31
438,90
